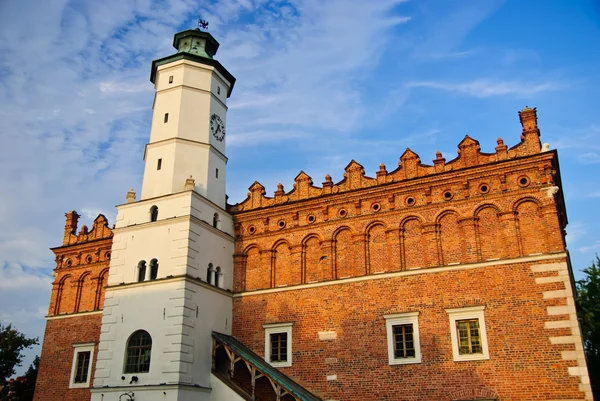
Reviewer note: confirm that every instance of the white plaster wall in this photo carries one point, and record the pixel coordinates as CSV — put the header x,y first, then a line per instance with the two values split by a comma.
x,y
190,101
166,101
179,315
176,205
182,239
222,392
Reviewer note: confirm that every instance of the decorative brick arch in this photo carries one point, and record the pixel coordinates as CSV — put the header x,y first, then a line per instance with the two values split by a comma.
x,y
257,268
85,293
472,394
449,234
344,251
530,225
285,265
412,246
316,259
100,289
377,257
66,297
490,234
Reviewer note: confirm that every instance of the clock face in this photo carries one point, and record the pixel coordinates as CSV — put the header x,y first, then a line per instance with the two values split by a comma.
x,y
217,127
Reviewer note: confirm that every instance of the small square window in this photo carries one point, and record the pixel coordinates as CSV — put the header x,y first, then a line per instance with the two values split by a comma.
x,y
467,330
166,117
82,365
403,338
159,164
171,79
278,344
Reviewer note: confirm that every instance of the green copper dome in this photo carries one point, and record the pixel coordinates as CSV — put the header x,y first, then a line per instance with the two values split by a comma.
x,y
196,42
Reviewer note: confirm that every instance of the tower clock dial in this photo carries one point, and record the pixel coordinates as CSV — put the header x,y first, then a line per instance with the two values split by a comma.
x,y
217,127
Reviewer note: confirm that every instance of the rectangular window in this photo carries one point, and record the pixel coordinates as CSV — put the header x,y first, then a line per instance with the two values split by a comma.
x,y
159,164
218,90
278,344
403,338
279,347
82,365
404,345
171,79
166,117
467,330
217,173
469,340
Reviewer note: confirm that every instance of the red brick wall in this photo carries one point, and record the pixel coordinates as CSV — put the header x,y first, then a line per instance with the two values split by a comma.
x,y
522,365
57,357
80,278
476,208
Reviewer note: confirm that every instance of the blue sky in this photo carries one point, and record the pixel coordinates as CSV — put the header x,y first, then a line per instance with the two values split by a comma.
x,y
318,83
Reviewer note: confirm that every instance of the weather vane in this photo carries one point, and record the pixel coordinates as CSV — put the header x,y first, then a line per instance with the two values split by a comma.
x,y
202,24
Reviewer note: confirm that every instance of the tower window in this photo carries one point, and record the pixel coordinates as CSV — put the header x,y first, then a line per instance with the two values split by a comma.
x,y
216,220
139,348
141,270
159,164
210,274
166,117
217,173
153,213
171,79
218,90
153,269
218,277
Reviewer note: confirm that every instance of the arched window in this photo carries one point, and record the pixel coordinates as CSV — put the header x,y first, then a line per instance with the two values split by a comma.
x,y
141,270
218,277
139,348
153,269
210,274
216,220
153,213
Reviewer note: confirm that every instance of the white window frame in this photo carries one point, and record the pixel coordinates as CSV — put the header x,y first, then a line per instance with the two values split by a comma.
x,y
473,312
277,328
85,347
403,319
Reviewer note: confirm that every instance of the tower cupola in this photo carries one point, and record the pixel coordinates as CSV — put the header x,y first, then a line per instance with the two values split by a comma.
x,y
197,42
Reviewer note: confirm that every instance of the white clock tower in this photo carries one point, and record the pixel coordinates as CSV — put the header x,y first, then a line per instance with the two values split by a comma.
x,y
171,269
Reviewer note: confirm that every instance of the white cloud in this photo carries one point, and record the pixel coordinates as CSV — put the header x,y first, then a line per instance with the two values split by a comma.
x,y
575,232
489,87
589,248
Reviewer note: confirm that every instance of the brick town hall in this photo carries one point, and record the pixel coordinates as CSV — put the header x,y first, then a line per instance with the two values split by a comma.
x,y
448,281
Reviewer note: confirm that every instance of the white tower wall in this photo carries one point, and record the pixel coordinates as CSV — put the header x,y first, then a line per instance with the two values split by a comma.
x,y
191,237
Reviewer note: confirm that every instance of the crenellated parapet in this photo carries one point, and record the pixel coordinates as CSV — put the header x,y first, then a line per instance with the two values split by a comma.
x,y
474,209
100,229
409,167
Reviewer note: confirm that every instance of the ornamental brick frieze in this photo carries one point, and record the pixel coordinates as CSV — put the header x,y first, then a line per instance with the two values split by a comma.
x,y
409,169
460,217
82,264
